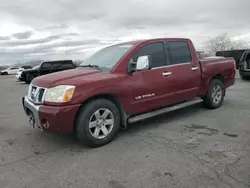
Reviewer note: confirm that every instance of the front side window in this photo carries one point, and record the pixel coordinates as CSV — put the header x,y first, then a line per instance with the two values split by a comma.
x,y
108,57
179,52
156,53
46,66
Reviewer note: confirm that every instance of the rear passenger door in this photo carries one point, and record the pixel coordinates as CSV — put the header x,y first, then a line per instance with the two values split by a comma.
x,y
185,71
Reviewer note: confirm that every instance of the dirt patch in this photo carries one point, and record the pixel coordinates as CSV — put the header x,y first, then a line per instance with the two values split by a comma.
x,y
10,141
216,155
231,135
203,129
116,184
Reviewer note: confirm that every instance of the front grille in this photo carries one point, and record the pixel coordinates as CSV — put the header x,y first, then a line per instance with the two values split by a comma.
x,y
36,94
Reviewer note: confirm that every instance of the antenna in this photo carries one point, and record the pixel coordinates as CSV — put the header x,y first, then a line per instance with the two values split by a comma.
x,y
66,48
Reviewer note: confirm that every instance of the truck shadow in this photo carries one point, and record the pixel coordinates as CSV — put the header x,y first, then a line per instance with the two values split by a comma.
x,y
73,145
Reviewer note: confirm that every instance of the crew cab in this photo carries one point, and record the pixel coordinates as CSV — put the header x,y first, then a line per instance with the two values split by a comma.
x,y
46,67
126,83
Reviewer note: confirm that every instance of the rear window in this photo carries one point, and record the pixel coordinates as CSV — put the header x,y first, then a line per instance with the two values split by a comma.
x,y
57,65
179,52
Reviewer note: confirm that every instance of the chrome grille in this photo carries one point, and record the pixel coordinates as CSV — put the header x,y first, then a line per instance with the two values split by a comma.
x,y
36,94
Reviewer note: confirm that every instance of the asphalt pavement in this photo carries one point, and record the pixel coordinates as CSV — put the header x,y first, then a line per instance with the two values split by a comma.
x,y
192,147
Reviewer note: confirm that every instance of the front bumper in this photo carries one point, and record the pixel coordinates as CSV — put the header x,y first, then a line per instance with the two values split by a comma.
x,y
54,119
18,78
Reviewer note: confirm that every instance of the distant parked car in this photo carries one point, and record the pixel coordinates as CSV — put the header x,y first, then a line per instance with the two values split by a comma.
x,y
244,65
236,54
46,67
15,70
10,70
21,69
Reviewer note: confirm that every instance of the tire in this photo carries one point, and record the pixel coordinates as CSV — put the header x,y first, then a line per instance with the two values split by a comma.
x,y
245,77
5,73
86,114
29,79
242,76
210,101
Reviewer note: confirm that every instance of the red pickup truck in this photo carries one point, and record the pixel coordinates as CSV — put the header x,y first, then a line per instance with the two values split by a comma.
x,y
125,83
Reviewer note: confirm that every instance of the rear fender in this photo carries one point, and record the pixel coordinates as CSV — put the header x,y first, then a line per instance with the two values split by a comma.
x,y
206,81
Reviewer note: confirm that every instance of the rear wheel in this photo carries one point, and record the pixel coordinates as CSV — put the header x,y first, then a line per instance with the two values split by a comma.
x,y
98,123
245,77
215,94
5,73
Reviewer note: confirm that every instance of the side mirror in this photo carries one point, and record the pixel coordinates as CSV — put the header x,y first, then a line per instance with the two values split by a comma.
x,y
142,63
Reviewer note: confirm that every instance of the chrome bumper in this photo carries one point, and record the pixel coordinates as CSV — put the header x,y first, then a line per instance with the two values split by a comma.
x,y
32,111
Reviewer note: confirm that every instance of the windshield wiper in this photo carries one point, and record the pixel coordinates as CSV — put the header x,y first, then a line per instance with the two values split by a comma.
x,y
92,66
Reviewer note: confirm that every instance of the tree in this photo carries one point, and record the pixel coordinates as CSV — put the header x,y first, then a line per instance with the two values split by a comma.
x,y
223,42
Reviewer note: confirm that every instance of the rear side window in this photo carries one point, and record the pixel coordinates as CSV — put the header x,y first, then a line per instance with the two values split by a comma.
x,y
179,52
156,53
57,65
67,65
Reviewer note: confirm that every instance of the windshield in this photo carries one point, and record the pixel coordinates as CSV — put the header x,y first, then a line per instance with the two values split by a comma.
x,y
107,57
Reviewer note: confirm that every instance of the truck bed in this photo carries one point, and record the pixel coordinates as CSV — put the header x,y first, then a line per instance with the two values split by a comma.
x,y
223,68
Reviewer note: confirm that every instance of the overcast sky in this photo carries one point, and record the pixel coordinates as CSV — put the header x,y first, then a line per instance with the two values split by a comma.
x,y
31,29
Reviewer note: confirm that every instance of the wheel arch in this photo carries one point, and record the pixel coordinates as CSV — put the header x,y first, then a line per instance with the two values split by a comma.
x,y
111,98
218,77
208,83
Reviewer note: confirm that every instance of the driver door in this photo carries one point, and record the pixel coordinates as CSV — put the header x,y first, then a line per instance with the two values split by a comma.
x,y
152,88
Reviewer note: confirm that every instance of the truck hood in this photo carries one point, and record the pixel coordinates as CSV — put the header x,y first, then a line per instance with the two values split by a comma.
x,y
67,77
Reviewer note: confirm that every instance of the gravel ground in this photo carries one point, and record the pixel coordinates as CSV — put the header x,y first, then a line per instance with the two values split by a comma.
x,y
192,147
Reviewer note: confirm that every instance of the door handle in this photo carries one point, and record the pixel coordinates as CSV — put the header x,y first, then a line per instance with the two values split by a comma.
x,y
166,73
194,68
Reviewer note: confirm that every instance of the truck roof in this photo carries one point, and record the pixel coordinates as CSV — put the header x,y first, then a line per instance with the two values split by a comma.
x,y
66,60
152,40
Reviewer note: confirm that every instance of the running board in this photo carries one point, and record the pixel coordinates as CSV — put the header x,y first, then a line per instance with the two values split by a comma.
x,y
163,111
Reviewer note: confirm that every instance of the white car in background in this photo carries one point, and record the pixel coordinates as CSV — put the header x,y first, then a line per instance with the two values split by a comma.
x,y
21,69
10,70
14,70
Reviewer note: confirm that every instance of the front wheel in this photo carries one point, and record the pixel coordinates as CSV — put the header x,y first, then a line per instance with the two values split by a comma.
x,y
29,79
215,94
97,123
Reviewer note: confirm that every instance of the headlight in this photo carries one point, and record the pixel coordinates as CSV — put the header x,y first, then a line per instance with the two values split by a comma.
x,y
61,93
